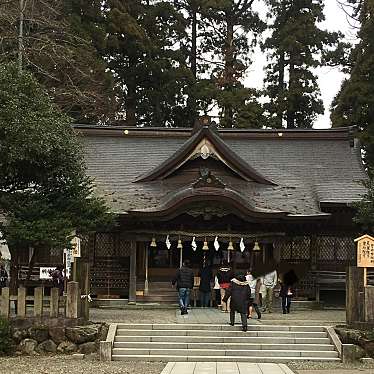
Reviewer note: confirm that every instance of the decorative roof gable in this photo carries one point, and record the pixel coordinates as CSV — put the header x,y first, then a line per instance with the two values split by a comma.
x,y
205,143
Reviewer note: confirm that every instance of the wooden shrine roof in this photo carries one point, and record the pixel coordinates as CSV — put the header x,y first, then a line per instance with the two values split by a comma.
x,y
282,173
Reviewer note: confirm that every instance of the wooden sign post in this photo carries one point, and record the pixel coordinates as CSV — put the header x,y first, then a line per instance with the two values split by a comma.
x,y
365,254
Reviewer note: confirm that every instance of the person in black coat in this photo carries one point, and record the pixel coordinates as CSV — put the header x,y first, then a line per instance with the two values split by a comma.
x,y
286,291
240,293
184,279
205,290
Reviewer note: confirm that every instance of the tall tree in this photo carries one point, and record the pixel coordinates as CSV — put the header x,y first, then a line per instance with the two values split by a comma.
x,y
44,191
296,47
143,52
232,29
354,104
58,44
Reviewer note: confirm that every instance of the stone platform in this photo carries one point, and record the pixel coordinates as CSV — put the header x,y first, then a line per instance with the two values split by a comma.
x,y
225,368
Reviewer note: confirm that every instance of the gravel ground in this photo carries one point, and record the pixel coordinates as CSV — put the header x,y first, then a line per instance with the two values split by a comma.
x,y
133,316
69,365
299,367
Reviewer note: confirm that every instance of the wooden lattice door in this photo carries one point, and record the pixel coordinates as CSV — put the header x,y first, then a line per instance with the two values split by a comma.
x,y
111,264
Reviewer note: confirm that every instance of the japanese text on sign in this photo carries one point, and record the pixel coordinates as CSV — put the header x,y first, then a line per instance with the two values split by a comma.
x,y
365,252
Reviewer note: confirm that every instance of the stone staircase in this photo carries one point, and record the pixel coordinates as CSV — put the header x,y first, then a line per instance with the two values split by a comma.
x,y
207,342
158,293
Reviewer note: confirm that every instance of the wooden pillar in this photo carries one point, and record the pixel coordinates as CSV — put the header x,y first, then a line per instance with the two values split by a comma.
x,y
21,302
132,285
84,284
354,294
73,300
5,303
369,304
146,265
54,303
38,302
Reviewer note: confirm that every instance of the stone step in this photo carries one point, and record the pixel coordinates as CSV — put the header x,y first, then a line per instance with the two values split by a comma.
x,y
215,328
259,333
243,339
223,352
157,298
263,359
225,346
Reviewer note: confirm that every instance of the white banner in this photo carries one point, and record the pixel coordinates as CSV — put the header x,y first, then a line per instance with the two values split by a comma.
x,y
68,260
76,243
45,272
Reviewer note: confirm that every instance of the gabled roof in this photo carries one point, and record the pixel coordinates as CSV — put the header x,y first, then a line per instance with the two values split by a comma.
x,y
364,237
205,137
289,171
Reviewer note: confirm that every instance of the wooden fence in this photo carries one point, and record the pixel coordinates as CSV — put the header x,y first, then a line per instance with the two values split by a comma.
x,y
42,305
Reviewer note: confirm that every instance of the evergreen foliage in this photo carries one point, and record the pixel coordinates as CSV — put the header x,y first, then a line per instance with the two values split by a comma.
x,y
231,34
296,47
44,192
354,104
365,208
5,337
143,52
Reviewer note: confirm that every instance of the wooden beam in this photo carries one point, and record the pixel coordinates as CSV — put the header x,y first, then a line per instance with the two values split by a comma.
x,y
132,285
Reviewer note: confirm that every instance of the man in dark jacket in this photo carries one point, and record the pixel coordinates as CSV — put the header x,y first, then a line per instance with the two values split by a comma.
x,y
206,277
184,278
240,293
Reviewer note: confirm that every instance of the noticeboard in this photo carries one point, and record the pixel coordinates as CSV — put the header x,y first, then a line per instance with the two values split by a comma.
x,y
365,251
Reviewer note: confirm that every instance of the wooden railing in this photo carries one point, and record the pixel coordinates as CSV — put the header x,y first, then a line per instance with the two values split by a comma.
x,y
40,305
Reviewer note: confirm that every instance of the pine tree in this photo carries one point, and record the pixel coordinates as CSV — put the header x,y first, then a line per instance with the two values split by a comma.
x,y
143,54
296,47
354,104
44,191
231,32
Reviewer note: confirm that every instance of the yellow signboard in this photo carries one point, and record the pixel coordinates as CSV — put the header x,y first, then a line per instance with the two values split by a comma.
x,y
365,251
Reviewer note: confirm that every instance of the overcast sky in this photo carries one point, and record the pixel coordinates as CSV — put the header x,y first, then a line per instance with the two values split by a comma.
x,y
329,78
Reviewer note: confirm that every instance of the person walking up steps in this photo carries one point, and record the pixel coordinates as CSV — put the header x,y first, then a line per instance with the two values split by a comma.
x,y
270,281
224,276
205,288
184,279
240,294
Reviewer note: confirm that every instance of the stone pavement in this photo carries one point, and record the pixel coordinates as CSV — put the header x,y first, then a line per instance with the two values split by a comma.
x,y
312,317
225,368
340,371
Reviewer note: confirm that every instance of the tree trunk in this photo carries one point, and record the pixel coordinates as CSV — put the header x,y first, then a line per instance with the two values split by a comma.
x,y
291,95
191,102
131,103
131,95
14,264
281,67
229,69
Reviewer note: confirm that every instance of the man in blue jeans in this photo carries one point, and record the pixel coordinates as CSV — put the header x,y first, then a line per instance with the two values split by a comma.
x,y
184,279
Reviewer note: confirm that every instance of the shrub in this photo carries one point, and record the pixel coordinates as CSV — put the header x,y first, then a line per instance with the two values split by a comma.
x,y
5,337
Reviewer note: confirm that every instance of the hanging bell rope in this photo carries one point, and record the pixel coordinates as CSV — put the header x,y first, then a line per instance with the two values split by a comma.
x,y
210,236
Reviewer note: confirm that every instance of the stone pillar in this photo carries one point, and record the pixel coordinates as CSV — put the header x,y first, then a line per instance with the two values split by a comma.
x,y
132,285
354,294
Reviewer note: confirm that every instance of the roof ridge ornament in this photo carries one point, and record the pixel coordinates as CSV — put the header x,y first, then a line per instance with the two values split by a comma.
x,y
204,121
207,179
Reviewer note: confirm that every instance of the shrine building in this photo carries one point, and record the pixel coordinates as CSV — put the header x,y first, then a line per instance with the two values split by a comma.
x,y
286,195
